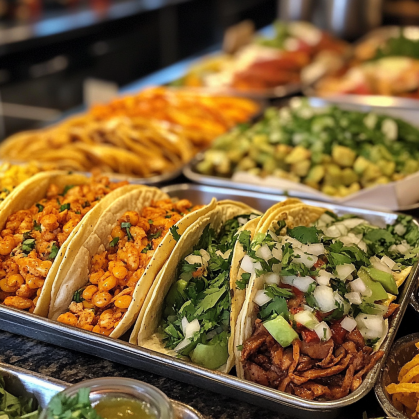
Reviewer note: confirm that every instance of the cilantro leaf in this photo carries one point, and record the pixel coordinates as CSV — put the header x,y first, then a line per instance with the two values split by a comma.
x,y
127,227
36,226
114,242
244,239
338,259
66,189
64,207
174,231
147,248
28,245
54,251
305,235
40,207
278,306
241,284
274,291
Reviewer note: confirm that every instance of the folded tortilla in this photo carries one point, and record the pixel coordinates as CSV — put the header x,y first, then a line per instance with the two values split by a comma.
x,y
74,272
33,190
145,331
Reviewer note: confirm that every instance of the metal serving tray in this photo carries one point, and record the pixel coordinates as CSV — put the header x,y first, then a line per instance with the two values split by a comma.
x,y
396,109
21,382
23,323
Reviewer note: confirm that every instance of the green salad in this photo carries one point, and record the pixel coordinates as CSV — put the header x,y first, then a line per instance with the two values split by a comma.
x,y
196,319
335,151
399,46
12,407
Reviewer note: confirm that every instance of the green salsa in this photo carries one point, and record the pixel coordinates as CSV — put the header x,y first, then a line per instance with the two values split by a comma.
x,y
123,408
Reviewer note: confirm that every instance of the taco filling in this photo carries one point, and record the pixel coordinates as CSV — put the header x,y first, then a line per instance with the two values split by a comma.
x,y
328,290
101,304
196,317
31,238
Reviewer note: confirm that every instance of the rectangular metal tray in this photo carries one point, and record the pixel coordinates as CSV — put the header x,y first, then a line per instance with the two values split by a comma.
x,y
396,110
120,351
24,383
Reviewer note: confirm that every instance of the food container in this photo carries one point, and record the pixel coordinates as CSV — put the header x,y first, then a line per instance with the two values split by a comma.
x,y
118,350
395,196
401,352
119,387
21,382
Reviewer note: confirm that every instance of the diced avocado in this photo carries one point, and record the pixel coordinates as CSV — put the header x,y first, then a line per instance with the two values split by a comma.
x,y
315,174
360,165
349,176
378,291
387,167
371,308
246,164
371,172
298,154
343,156
329,190
301,168
282,151
210,356
355,187
281,331
384,278
176,294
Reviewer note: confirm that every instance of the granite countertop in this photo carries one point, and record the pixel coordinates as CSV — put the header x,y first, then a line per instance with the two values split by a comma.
x,y
72,367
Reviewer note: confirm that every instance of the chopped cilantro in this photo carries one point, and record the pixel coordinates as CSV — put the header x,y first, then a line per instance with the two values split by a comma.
x,y
114,242
147,248
305,235
168,216
274,291
371,342
54,251
66,189
40,207
241,284
174,231
150,221
239,347
37,226
127,227
28,245
86,204
64,207
77,296
156,235
275,307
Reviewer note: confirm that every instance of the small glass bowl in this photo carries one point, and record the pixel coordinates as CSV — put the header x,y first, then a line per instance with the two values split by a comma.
x,y
157,401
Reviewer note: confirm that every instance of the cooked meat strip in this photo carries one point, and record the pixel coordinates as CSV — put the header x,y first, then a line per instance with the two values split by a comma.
x,y
357,380
252,344
356,337
350,347
332,381
343,390
359,360
284,384
317,350
296,345
331,360
303,392
318,389
305,363
255,373
262,360
391,309
287,359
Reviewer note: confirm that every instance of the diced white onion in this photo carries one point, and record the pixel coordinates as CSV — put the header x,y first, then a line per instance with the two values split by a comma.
x,y
205,255
307,319
303,283
242,220
307,308
400,229
371,326
326,218
324,298
264,252
294,243
377,264
277,252
289,280
183,344
363,246
247,264
341,227
354,297
351,223
273,235
344,270
184,324
348,323
315,249
358,285
323,280
307,260
272,278
332,231
191,328
192,259
261,298
323,272
257,266
389,262
253,216
323,331
342,302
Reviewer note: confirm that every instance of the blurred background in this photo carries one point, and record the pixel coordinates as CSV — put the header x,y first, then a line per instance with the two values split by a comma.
x,y
49,48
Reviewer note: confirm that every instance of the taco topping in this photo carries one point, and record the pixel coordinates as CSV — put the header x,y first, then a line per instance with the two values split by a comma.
x,y
328,291
196,318
101,304
31,238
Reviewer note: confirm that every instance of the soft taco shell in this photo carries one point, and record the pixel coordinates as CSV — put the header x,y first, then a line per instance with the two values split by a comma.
x,y
33,190
94,238
293,215
144,333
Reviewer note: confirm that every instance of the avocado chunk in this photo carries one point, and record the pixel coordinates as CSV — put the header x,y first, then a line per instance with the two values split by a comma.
x,y
384,278
175,297
210,356
371,308
281,331
378,292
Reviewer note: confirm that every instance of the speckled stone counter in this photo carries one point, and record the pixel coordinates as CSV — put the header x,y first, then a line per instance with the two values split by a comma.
x,y
72,367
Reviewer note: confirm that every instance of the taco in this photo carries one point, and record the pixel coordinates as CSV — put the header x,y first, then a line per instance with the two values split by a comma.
x,y
190,311
320,293
38,220
110,267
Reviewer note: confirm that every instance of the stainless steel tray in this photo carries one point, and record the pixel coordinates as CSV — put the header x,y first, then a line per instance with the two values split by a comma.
x,y
21,382
26,324
397,109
